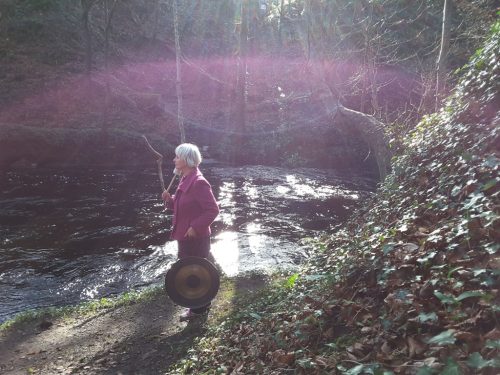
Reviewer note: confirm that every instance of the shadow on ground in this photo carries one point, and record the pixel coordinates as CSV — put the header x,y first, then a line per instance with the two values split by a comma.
x,y
142,338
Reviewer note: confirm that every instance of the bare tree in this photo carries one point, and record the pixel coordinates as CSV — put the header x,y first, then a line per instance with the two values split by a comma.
x,y
109,8
242,72
281,20
178,81
242,82
443,53
156,6
86,8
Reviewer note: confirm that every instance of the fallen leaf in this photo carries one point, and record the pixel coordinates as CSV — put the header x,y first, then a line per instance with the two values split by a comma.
x,y
410,247
415,347
352,357
281,357
329,333
321,361
238,368
386,348
494,334
426,291
366,330
432,362
465,336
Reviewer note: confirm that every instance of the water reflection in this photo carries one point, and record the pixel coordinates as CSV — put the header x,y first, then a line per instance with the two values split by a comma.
x,y
225,199
226,252
77,235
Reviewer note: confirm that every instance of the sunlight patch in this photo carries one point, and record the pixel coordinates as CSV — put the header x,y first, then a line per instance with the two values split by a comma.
x,y
226,252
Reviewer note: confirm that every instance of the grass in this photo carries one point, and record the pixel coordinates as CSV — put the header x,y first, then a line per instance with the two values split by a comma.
x,y
231,291
83,309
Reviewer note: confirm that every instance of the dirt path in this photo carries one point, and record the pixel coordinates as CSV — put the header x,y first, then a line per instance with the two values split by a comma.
x,y
143,338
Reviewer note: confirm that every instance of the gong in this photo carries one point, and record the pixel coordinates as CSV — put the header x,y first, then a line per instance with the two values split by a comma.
x,y
192,282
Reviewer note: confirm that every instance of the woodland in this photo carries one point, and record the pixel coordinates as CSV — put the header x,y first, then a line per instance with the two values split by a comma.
x,y
407,91
267,82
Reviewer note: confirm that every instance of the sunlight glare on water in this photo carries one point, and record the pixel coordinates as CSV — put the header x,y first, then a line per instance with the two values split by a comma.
x,y
250,190
113,273
256,241
226,252
253,227
283,190
163,257
302,188
226,200
169,248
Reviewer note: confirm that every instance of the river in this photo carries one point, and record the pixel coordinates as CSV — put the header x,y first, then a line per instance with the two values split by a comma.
x,y
68,236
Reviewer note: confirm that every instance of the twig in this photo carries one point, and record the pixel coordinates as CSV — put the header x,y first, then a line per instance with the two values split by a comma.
x,y
159,160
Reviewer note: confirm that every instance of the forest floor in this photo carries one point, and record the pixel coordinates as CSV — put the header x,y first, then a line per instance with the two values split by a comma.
x,y
146,337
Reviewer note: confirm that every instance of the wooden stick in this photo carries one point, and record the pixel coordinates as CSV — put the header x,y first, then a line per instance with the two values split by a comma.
x,y
159,160
171,182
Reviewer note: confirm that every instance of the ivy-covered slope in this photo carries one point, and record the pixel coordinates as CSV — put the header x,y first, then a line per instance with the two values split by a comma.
x,y
410,285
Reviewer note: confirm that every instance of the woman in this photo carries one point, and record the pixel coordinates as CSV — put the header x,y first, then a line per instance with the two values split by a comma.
x,y
195,208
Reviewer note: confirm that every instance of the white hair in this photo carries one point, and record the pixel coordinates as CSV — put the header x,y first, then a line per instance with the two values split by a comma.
x,y
189,153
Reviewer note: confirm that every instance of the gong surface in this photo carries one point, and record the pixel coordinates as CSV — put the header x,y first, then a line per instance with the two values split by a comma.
x,y
192,282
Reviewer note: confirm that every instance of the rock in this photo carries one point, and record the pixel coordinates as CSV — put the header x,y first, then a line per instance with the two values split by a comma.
x,y
45,325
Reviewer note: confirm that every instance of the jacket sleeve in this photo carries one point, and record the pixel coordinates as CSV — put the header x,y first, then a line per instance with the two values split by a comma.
x,y
209,208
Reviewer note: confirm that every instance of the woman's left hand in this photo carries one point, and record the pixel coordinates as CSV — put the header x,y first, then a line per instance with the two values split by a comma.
x,y
190,233
166,196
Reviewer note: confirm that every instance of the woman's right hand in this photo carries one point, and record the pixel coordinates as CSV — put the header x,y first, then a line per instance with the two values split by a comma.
x,y
166,196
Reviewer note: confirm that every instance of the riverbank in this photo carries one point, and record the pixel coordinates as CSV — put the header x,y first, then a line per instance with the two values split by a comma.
x,y
34,147
133,333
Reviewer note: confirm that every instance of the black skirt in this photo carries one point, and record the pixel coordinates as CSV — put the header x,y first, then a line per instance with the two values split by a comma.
x,y
194,247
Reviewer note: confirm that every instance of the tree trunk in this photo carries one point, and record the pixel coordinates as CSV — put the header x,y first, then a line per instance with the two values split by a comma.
x,y
280,26
86,7
241,107
369,73
108,10
178,82
156,19
242,72
443,53
370,129
108,16
372,133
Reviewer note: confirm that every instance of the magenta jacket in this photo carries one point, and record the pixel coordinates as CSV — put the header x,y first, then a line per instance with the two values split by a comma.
x,y
194,206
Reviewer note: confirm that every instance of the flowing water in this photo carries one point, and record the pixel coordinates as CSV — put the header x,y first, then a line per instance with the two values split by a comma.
x,y
69,236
